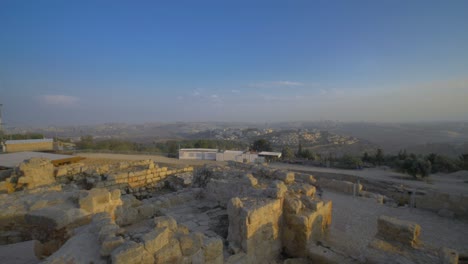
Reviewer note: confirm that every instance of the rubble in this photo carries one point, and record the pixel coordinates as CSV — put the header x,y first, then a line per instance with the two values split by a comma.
x,y
138,212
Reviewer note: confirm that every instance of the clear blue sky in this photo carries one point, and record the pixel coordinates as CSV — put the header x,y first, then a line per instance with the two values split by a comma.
x,y
79,62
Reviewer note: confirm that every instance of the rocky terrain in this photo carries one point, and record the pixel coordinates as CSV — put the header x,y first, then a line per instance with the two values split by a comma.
x,y
136,211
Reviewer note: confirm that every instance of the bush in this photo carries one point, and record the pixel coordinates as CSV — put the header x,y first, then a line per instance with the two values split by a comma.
x,y
350,162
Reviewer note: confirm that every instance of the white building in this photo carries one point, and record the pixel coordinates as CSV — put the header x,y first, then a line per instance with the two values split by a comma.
x,y
235,155
270,155
215,154
198,154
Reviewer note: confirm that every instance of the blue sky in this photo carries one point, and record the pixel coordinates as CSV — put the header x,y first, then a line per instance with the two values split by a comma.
x,y
81,62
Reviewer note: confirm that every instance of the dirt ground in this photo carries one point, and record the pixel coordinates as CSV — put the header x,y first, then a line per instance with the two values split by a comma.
x,y
354,224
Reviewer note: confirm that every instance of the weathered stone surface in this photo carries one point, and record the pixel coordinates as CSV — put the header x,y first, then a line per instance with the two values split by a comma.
x,y
170,253
110,244
54,218
448,256
285,176
100,200
277,190
213,250
254,227
165,221
395,230
156,239
131,252
342,186
189,244
36,172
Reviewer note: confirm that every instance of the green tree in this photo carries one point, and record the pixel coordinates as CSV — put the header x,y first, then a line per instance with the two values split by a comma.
x,y
379,157
464,161
350,162
287,153
299,150
402,154
261,145
172,148
366,157
441,163
86,142
417,166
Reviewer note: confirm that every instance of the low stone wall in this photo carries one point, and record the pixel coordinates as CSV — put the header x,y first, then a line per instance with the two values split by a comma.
x,y
394,230
341,186
137,177
443,203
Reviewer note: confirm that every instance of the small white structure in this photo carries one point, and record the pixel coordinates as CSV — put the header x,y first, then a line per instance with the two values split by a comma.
x,y
236,155
198,154
270,155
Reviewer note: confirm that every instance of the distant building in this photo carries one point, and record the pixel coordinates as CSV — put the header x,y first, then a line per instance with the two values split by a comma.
x,y
46,144
267,155
198,154
215,154
234,155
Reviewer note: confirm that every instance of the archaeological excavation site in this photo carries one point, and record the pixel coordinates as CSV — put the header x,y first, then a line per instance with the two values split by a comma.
x,y
114,211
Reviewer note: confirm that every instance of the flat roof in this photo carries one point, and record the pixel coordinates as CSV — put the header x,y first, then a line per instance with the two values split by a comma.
x,y
267,153
234,151
24,141
11,160
199,149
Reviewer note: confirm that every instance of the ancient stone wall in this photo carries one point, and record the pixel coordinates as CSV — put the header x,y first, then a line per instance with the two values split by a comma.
x,y
443,203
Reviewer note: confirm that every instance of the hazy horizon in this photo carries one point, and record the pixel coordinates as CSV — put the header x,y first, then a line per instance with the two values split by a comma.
x,y
66,63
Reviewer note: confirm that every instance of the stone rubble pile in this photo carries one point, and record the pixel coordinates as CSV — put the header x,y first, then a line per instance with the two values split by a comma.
x,y
239,213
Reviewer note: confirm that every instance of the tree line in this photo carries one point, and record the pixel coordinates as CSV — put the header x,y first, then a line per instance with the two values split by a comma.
x,y
169,147
409,163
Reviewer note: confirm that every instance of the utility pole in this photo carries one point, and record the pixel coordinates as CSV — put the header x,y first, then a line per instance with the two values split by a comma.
x,y
1,124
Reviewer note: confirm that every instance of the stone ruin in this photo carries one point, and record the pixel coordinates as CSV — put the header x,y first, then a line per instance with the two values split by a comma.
x,y
137,212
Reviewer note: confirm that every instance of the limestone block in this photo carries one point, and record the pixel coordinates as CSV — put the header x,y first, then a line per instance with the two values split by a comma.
x,y
213,249
292,205
170,253
277,190
285,176
395,230
100,200
109,244
254,227
109,230
342,186
54,218
61,171
251,179
6,187
189,244
36,172
131,252
156,239
165,221
115,194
